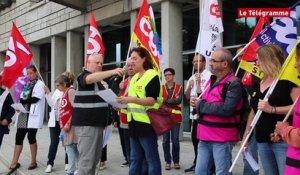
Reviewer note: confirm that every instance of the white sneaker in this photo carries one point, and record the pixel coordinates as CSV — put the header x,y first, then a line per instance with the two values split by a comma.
x,y
102,166
66,167
48,169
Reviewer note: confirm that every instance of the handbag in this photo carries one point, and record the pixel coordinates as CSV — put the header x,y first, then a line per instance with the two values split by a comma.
x,y
162,119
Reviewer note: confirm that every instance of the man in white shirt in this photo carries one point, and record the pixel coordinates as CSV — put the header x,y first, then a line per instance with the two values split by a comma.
x,y
195,85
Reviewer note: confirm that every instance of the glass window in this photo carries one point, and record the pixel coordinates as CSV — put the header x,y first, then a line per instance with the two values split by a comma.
x,y
113,34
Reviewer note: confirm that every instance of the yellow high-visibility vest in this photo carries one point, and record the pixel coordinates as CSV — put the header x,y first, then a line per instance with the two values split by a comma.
x,y
137,89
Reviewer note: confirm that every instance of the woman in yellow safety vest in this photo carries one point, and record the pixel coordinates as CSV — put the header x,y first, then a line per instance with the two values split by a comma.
x,y
144,93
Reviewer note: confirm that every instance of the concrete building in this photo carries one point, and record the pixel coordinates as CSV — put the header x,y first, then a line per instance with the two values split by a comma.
x,y
57,30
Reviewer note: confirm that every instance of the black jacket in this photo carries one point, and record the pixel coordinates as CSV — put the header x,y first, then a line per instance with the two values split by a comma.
x,y
7,111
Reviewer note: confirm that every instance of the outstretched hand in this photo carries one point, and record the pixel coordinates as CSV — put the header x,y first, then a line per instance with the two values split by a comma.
x,y
119,71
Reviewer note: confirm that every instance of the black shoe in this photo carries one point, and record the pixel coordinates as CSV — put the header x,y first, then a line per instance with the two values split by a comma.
x,y
125,164
32,166
190,170
12,170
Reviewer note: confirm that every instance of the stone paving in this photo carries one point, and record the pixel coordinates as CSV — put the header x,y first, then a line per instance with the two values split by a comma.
x,y
115,157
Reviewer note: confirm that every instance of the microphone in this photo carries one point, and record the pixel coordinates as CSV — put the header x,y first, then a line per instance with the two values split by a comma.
x,y
115,77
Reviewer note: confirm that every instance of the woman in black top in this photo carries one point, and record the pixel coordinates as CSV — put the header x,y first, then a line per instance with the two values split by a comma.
x,y
272,155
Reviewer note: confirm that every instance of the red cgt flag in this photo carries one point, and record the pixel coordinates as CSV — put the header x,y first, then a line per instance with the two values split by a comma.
x,y
250,51
144,34
95,43
18,56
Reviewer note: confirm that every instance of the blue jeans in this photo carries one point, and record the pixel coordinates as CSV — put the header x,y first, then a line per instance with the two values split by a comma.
x,y
219,153
273,157
72,153
144,148
174,133
54,141
252,147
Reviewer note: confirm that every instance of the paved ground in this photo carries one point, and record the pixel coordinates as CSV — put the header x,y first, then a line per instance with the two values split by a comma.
x,y
115,157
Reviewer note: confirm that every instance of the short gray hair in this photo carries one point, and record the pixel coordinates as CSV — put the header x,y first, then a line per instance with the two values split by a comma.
x,y
95,54
226,55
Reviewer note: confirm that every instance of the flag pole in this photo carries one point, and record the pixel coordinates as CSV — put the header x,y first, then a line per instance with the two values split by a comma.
x,y
199,35
244,48
33,62
201,9
237,70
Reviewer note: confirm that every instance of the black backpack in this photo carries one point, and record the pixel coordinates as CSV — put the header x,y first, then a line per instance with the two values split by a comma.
x,y
245,109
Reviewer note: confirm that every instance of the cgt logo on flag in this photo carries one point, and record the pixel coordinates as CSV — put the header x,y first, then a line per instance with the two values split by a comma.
x,y
95,43
211,27
18,56
214,10
144,34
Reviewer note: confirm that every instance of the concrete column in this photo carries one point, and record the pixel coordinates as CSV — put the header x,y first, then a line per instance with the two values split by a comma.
x,y
86,37
2,60
133,16
75,57
171,32
35,49
58,57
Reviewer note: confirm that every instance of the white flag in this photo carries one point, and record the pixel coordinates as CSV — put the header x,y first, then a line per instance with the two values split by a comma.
x,y
211,27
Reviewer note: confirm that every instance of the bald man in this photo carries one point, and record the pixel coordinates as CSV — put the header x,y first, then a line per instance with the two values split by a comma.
x,y
90,113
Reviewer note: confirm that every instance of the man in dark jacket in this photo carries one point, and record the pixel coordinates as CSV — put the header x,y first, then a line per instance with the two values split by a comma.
x,y
6,111
218,117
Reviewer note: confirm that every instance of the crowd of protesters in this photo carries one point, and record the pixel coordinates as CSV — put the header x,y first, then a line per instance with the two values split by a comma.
x,y
216,99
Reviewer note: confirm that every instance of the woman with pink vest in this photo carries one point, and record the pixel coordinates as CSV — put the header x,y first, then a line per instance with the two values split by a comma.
x,y
291,134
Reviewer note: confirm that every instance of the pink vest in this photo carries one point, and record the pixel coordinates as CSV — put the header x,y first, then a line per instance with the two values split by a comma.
x,y
218,128
293,154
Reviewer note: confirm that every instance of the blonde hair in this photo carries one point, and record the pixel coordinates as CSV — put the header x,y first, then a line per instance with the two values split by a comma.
x,y
272,58
70,76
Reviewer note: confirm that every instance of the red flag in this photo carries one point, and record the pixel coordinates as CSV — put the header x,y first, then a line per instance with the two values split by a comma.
x,y
18,56
95,43
144,34
250,51
247,79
